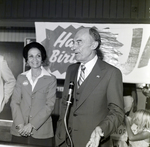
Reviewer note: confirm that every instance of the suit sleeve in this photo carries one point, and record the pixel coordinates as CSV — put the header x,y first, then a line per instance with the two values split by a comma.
x,y
115,104
9,81
15,104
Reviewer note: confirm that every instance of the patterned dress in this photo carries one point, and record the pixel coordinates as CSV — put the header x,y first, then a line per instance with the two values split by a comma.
x,y
142,143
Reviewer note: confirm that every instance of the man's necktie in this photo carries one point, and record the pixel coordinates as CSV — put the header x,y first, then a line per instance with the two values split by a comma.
x,y
82,75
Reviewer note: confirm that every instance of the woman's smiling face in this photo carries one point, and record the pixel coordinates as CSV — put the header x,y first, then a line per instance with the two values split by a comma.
x,y
34,58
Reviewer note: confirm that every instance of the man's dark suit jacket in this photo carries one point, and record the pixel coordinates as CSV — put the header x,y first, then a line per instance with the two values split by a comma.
x,y
98,102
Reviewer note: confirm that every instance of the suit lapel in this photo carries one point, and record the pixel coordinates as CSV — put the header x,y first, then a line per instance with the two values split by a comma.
x,y
41,83
91,82
27,87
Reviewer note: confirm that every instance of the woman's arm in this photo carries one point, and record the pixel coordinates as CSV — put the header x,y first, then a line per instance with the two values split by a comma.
x,y
135,137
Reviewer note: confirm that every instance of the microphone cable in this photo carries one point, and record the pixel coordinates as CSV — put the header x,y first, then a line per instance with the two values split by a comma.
x,y
71,86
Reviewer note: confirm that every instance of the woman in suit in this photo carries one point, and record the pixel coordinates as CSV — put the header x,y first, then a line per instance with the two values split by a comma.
x,y
33,100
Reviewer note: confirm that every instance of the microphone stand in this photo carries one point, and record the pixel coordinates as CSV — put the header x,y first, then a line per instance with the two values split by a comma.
x,y
66,112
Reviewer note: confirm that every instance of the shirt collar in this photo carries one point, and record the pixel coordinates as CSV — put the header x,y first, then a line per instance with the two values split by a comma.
x,y
43,72
91,63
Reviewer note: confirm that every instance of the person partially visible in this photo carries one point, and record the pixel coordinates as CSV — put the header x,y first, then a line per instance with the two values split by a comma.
x,y
120,137
146,92
138,128
7,83
97,107
128,105
33,100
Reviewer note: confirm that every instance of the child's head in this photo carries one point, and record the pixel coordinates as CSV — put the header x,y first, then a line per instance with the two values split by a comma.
x,y
142,119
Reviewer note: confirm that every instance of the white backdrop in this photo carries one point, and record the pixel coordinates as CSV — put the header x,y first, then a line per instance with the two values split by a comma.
x,y
126,46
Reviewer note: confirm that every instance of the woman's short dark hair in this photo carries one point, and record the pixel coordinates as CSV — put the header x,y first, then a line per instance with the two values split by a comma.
x,y
34,45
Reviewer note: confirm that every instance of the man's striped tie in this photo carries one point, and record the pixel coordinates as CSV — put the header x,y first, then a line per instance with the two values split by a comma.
x,y
82,75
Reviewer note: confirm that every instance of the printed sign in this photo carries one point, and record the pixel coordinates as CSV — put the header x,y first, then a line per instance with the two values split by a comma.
x,y
126,46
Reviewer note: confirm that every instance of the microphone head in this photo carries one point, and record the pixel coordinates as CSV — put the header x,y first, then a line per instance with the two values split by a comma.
x,y
71,85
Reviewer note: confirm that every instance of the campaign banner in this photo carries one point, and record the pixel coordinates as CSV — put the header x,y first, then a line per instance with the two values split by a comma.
x,y
126,46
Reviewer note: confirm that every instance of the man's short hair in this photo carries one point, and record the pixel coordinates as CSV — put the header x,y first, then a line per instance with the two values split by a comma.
x,y
96,36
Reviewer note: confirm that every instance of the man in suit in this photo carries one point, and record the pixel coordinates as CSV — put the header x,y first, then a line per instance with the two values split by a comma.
x,y
97,108
7,83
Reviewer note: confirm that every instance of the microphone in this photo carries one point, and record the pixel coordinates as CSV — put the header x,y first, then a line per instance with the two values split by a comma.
x,y
70,92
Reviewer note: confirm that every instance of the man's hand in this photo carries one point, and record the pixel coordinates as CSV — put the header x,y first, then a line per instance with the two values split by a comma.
x,y
95,137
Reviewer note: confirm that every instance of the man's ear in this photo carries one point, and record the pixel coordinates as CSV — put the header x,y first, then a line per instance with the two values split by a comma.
x,y
94,45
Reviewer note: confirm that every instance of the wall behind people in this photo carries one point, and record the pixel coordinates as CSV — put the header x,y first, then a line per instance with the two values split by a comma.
x,y
12,52
28,11
141,99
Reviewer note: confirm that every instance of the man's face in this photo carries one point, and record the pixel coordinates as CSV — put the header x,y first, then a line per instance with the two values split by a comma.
x,y
82,46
